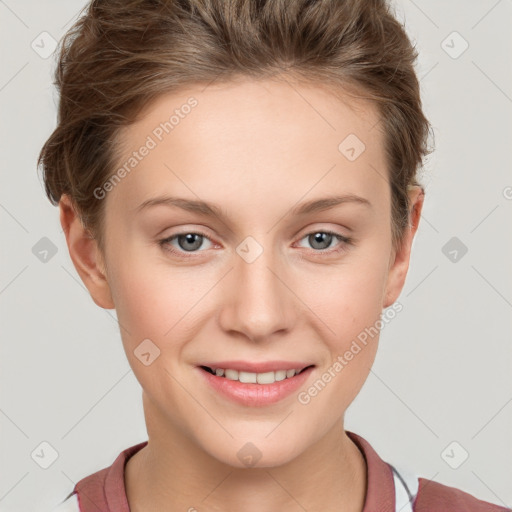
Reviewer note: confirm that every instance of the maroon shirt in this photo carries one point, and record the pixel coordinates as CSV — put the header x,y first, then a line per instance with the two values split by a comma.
x,y
104,491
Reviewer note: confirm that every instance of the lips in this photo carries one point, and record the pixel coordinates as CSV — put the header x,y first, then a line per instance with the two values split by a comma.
x,y
266,391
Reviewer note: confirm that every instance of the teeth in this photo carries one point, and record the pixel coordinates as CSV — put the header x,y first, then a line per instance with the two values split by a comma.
x,y
259,378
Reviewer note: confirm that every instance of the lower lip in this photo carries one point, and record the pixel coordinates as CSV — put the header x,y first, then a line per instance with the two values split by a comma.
x,y
256,395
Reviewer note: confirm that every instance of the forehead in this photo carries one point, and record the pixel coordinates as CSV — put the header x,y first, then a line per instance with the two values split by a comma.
x,y
252,136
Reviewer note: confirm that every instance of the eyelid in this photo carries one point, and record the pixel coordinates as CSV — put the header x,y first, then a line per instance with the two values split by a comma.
x,y
338,230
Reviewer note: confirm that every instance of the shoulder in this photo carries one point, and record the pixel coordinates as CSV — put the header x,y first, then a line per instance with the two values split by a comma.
x,y
439,497
102,490
70,504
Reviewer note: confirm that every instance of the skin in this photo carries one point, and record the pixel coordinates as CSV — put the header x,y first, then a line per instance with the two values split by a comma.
x,y
257,149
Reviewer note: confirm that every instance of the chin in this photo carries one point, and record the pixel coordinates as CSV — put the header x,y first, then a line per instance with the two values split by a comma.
x,y
257,454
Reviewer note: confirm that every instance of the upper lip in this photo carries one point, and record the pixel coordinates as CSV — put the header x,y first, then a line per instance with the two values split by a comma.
x,y
255,367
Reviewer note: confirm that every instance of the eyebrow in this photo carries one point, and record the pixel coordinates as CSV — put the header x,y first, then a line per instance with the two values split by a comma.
x,y
209,209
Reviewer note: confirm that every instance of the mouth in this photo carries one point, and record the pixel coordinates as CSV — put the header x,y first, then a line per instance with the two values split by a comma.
x,y
256,389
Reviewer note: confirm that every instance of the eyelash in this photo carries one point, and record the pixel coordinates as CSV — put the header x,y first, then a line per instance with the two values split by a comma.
x,y
165,243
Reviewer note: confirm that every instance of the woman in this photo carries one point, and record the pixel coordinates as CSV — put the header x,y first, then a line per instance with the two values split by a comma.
x,y
255,132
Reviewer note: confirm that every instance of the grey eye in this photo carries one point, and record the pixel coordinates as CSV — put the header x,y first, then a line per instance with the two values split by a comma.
x,y
319,239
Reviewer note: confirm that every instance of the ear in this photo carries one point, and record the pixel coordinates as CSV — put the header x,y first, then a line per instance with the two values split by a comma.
x,y
85,254
399,261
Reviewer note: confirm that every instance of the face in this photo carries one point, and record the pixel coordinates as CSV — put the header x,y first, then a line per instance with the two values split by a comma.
x,y
263,278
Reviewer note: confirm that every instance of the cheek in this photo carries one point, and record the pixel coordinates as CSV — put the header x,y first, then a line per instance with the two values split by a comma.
x,y
147,302
151,309
350,330
349,304
349,298
159,303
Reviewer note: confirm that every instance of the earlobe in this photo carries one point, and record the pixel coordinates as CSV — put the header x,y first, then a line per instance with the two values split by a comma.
x,y
85,254
399,262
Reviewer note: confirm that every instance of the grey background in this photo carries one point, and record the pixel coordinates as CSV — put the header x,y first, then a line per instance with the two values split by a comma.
x,y
442,372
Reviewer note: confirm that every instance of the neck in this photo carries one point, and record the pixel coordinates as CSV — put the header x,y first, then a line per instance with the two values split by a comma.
x,y
172,474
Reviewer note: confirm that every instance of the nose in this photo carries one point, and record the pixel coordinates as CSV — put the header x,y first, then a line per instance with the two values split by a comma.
x,y
258,303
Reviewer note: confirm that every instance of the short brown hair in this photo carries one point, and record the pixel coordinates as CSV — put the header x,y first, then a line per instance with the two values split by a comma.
x,y
122,54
